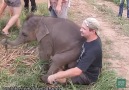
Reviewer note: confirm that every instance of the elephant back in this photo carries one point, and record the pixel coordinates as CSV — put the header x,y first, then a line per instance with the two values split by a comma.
x,y
65,34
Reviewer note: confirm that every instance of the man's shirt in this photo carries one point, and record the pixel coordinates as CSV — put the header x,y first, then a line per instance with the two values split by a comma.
x,y
90,61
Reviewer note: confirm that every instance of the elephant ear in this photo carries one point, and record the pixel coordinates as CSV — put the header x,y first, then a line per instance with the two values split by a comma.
x,y
41,32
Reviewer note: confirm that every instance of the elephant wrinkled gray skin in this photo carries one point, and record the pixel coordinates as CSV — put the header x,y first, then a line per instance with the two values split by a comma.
x,y
59,40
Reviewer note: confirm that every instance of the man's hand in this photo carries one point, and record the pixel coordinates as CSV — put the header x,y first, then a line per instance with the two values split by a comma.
x,y
51,79
57,78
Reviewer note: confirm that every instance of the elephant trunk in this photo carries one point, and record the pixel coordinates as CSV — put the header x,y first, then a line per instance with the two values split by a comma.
x,y
12,43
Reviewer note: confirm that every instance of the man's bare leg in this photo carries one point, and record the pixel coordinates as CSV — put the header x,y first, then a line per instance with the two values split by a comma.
x,y
18,21
13,19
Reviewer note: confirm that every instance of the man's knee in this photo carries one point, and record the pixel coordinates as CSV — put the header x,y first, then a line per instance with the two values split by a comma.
x,y
82,80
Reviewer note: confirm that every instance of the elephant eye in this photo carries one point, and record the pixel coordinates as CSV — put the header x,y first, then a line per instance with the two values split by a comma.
x,y
24,34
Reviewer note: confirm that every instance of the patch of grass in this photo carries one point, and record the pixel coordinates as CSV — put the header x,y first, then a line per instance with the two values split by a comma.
x,y
2,23
107,81
3,77
122,23
106,48
70,14
125,28
117,56
107,63
42,10
105,10
108,41
33,43
116,1
28,76
24,76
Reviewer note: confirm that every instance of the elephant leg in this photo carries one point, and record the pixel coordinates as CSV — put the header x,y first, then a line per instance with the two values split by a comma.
x,y
71,65
44,66
44,59
59,61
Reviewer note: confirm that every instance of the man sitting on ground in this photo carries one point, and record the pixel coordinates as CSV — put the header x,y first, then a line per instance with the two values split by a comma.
x,y
89,63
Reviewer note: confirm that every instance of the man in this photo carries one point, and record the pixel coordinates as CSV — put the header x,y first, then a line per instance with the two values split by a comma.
x,y
58,8
89,63
121,6
33,5
15,8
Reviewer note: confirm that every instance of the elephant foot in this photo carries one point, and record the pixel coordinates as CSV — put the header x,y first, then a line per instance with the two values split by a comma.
x,y
43,78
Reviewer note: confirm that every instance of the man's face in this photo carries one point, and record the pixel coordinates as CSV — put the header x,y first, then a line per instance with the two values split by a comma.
x,y
84,30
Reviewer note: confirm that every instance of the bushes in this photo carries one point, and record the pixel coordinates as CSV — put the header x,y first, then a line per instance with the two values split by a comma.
x,y
116,1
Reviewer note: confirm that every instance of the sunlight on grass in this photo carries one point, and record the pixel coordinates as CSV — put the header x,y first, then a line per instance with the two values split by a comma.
x,y
28,77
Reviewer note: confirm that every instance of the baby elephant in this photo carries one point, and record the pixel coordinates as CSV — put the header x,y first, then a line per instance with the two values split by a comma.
x,y
59,40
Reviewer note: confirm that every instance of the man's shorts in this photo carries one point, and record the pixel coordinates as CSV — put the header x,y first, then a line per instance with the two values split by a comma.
x,y
82,80
13,3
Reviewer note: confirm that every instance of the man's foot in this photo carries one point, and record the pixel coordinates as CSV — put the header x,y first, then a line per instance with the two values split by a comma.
x,y
33,8
5,34
62,81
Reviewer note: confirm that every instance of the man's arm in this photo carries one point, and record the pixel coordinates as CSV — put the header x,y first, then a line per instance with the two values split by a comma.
x,y
59,5
64,74
13,19
48,3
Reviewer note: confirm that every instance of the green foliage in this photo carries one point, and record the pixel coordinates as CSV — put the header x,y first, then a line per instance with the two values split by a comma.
x,y
107,81
25,76
3,77
33,43
2,23
42,10
116,1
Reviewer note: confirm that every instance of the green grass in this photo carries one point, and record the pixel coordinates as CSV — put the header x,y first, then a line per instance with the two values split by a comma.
x,y
28,77
2,23
116,1
42,10
25,76
106,46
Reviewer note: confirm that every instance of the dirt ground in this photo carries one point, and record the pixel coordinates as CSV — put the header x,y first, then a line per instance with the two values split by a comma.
x,y
119,46
119,43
